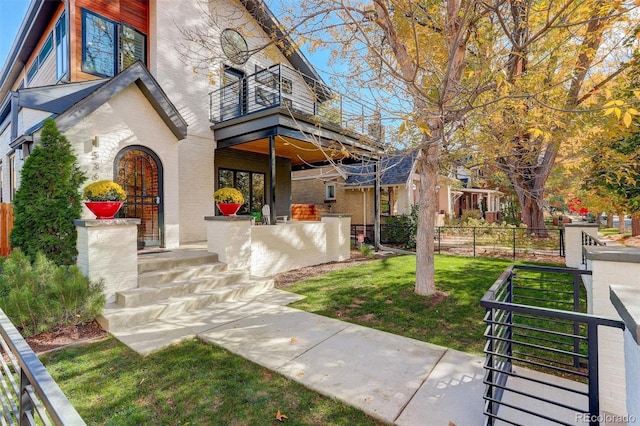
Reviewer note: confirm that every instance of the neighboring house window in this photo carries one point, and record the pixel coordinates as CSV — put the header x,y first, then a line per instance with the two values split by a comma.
x,y
109,47
330,191
62,47
385,201
251,184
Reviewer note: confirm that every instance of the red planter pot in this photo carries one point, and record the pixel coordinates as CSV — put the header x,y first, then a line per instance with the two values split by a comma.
x,y
229,209
104,209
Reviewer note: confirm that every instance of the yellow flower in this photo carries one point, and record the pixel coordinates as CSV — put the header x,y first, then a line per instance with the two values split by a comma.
x,y
228,195
104,190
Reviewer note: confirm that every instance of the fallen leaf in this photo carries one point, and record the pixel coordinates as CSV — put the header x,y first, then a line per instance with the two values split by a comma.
x,y
301,374
294,340
280,417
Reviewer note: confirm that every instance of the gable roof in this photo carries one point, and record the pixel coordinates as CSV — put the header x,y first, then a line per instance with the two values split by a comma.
x,y
396,170
72,102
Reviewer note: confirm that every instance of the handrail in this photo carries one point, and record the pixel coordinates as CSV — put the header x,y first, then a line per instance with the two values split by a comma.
x,y
30,395
280,86
540,338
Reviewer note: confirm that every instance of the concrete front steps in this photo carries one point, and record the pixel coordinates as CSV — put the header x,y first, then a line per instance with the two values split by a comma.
x,y
176,282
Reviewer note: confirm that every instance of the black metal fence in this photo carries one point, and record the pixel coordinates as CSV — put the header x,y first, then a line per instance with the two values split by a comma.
x,y
474,241
541,351
29,395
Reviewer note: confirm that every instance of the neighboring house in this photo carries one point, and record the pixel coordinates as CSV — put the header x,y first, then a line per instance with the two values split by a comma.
x,y
111,74
350,189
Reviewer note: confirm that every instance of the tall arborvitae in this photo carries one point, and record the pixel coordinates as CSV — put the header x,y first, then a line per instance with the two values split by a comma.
x,y
48,199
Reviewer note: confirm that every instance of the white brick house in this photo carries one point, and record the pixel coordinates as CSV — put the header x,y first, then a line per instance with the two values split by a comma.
x,y
113,76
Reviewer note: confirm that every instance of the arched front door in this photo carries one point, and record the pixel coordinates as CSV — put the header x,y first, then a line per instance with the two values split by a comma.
x,y
139,171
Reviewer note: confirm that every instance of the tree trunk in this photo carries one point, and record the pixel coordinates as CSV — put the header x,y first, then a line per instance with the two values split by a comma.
x,y
635,224
532,213
621,222
428,166
609,220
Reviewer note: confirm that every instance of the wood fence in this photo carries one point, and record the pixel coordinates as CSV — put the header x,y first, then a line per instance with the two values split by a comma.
x,y
6,225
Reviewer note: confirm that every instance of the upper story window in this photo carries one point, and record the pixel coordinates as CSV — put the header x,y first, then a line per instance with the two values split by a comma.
x,y
330,191
109,47
46,49
62,47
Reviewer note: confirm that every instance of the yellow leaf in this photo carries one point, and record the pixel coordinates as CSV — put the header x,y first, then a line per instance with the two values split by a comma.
x,y
280,417
536,132
401,128
294,340
633,111
627,119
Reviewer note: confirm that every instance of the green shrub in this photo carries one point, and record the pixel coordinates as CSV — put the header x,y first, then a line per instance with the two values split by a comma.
x,y
48,199
42,296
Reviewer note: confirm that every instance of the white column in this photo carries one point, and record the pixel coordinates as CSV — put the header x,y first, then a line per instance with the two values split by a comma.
x,y
338,236
573,241
230,238
108,251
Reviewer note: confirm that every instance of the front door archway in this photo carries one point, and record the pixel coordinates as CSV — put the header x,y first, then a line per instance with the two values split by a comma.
x,y
139,171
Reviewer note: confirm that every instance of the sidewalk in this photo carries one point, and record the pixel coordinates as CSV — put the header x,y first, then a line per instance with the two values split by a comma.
x,y
395,379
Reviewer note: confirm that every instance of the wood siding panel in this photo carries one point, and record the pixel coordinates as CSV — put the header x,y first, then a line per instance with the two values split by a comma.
x,y
6,225
134,13
44,79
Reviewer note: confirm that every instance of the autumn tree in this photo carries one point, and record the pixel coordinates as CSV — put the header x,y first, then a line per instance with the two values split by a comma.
x,y
494,71
562,58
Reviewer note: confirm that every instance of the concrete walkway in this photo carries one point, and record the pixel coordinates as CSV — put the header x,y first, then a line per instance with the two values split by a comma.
x,y
392,378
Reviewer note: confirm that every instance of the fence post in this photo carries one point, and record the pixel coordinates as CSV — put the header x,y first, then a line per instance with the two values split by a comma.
x,y
474,241
439,229
514,243
594,391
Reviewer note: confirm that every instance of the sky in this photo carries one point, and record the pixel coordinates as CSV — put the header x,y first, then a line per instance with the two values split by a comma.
x,y
11,15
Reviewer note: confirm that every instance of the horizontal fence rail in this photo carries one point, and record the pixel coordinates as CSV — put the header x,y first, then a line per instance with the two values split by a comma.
x,y
509,241
280,86
542,350
29,395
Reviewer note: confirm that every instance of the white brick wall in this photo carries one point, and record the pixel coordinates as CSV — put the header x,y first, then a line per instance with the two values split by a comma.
x,y
608,272
125,120
107,250
268,250
632,376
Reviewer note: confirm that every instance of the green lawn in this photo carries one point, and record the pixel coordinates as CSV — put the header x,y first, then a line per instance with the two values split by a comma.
x,y
196,383
189,384
381,295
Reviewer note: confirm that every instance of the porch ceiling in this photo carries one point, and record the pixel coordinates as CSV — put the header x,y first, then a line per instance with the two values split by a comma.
x,y
296,138
299,152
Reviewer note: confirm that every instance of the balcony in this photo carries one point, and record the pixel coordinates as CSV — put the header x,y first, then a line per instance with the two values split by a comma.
x,y
280,89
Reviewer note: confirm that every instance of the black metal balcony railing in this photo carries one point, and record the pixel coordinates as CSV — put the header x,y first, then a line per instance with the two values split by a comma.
x,y
283,87
589,240
29,395
534,323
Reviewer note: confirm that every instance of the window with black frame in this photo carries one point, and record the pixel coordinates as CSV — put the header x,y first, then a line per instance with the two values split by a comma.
x,y
109,47
250,184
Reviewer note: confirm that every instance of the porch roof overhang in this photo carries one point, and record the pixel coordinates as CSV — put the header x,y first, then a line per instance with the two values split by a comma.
x,y
303,141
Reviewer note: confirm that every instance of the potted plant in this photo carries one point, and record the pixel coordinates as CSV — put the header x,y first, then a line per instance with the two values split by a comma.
x,y
228,200
104,198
